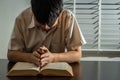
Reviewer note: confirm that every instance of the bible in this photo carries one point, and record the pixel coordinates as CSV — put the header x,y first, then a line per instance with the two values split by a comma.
x,y
51,69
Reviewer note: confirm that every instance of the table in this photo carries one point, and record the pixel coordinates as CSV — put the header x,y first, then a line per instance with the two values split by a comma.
x,y
84,70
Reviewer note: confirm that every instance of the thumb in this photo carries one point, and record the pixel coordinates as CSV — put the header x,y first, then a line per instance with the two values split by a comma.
x,y
44,49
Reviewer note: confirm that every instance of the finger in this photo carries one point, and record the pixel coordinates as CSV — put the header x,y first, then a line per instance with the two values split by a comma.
x,y
44,55
36,54
37,61
44,49
45,60
39,51
44,63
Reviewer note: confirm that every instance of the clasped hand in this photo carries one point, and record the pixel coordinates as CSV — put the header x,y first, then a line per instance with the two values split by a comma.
x,y
43,56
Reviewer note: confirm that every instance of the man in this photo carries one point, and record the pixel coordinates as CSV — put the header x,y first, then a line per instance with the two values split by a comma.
x,y
46,33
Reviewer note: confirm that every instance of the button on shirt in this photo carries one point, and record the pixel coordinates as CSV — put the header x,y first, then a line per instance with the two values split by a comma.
x,y
64,35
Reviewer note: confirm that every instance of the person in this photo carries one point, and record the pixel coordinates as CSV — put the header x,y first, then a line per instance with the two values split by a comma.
x,y
46,33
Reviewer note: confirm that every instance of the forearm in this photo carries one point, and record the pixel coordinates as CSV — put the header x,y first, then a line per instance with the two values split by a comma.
x,y
71,56
16,56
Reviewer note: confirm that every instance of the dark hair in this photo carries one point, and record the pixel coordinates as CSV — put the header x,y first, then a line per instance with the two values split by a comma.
x,y
46,11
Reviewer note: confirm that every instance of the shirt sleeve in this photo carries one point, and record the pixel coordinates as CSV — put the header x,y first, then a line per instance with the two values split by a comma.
x,y
16,42
73,35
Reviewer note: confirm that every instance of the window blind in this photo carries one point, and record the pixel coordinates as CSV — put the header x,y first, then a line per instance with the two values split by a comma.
x,y
99,21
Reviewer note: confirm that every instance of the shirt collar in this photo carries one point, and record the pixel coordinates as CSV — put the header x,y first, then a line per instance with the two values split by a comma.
x,y
32,23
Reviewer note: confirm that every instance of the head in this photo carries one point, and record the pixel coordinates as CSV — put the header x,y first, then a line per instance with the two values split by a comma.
x,y
46,11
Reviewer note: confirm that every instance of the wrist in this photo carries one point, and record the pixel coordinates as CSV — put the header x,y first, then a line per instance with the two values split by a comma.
x,y
32,59
56,57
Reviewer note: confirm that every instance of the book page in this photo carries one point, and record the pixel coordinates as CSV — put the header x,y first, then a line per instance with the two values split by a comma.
x,y
24,69
25,66
51,69
57,65
57,69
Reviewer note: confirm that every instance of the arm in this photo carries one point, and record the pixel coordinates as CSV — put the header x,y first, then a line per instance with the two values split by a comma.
x,y
15,56
70,56
16,47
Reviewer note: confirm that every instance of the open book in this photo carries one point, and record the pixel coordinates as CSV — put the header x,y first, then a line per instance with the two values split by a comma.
x,y
51,69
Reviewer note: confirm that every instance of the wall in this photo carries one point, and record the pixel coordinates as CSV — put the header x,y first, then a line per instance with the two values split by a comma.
x,y
9,9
